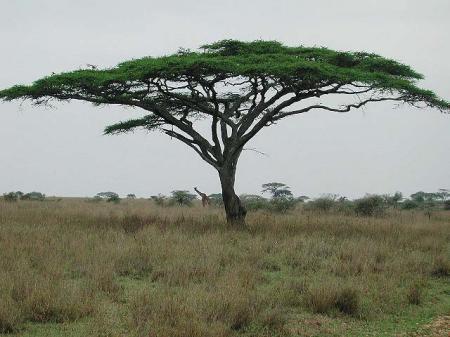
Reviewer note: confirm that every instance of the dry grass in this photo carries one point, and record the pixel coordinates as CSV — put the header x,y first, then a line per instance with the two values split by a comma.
x,y
151,271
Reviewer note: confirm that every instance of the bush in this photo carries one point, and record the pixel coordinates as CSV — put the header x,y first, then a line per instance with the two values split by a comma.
x,y
323,204
282,205
11,197
159,199
216,199
254,202
114,198
409,204
369,206
108,196
447,205
33,196
182,198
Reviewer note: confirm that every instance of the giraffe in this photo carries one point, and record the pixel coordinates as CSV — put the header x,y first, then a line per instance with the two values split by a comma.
x,y
205,199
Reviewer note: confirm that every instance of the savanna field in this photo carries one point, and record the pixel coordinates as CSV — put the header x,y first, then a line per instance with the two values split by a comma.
x,y
78,268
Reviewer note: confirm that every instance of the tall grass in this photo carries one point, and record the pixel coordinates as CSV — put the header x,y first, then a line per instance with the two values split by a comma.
x,y
153,271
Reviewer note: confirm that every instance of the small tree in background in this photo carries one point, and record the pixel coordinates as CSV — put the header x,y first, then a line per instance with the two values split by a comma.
x,y
33,196
254,202
10,197
277,190
182,197
282,198
159,199
393,200
131,196
109,196
370,205
216,199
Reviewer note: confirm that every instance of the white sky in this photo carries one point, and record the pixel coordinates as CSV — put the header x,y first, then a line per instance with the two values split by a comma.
x,y
61,150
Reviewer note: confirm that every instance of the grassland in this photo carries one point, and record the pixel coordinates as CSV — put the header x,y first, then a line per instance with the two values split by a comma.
x,y
77,268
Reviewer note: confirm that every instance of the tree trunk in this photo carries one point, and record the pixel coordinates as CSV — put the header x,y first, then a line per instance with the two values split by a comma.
x,y
234,210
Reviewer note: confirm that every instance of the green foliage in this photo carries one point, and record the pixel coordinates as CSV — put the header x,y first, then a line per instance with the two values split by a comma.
x,y
159,199
282,199
409,204
393,200
131,196
182,198
33,196
109,197
277,190
302,67
370,205
282,204
216,199
322,204
254,202
10,197
447,205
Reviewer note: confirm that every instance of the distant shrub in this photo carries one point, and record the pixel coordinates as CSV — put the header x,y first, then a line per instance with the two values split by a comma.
x,y
131,196
216,199
254,202
447,205
109,196
33,196
323,204
409,204
181,198
345,207
159,199
282,204
371,205
11,197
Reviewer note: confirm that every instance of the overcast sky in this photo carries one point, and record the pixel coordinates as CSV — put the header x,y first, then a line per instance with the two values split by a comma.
x,y
380,149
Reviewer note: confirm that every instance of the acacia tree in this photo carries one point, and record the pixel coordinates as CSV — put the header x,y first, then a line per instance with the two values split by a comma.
x,y
239,87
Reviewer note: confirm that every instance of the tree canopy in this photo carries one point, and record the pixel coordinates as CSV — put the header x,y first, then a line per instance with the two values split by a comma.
x,y
241,87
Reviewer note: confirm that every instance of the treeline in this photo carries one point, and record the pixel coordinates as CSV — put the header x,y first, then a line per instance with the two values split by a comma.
x,y
15,196
279,198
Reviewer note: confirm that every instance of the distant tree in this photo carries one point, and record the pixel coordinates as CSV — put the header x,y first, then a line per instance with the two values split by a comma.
x,y
409,204
182,198
19,194
240,87
131,196
109,196
444,194
159,199
33,196
277,190
322,204
10,197
370,205
422,197
216,199
447,205
254,202
302,198
393,200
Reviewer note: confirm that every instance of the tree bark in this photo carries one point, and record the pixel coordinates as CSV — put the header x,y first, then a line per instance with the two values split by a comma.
x,y
234,209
